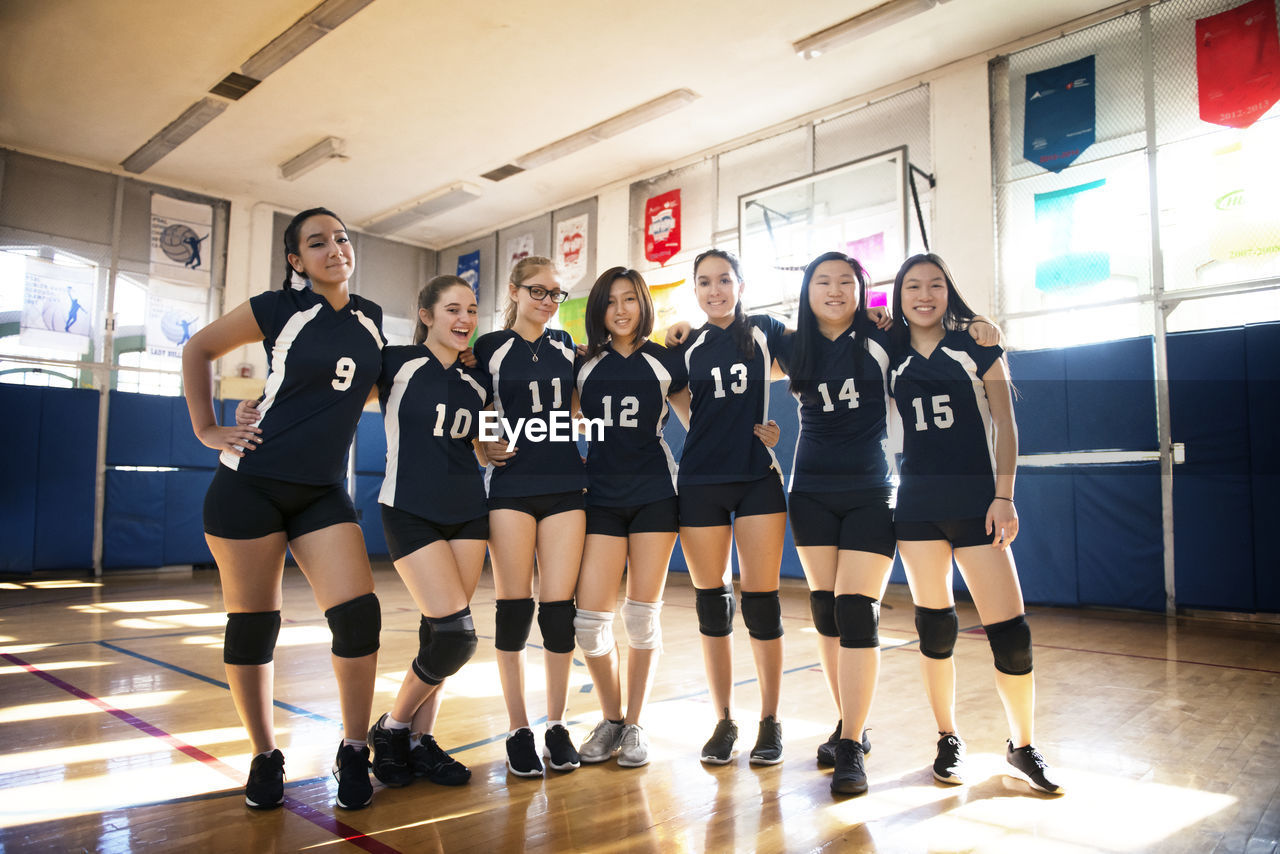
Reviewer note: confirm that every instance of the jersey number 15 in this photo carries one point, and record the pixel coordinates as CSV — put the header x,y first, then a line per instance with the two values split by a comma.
x,y
942,415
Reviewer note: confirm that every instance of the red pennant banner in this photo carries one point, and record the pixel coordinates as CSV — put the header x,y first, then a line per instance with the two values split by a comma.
x,y
1238,64
662,227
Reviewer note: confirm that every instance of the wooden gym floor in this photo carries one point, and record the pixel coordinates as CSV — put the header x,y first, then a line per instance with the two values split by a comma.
x,y
119,735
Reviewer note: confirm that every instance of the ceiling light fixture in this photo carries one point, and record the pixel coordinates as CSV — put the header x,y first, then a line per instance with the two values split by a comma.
x,y
174,134
636,116
306,31
859,26
424,207
329,148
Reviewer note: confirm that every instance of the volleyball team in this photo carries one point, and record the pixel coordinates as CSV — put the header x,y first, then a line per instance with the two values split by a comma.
x,y
585,526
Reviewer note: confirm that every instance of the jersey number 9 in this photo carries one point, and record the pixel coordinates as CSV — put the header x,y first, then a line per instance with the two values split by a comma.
x,y
346,371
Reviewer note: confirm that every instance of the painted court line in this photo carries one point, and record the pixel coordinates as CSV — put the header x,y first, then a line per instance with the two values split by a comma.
x,y
311,814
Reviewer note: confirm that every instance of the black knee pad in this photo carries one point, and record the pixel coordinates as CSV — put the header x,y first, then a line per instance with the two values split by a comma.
x,y
762,612
251,637
937,628
513,620
822,604
555,621
715,607
1011,645
355,625
858,617
444,645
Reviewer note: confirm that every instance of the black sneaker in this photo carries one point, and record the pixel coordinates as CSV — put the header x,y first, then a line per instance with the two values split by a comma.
x,y
850,777
561,754
827,750
351,770
390,754
949,766
1030,765
522,754
429,760
719,749
768,749
265,789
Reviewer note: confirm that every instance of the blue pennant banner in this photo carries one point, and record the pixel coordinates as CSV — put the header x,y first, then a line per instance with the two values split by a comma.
x,y
1059,122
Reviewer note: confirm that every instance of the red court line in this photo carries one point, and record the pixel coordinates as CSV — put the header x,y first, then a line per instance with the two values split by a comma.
x,y
327,822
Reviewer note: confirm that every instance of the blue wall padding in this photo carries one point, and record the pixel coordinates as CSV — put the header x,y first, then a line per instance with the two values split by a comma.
x,y
784,409
1041,407
184,516
1111,396
226,410
138,429
134,520
67,452
185,450
1045,550
19,428
1119,544
1212,522
371,444
1262,355
367,488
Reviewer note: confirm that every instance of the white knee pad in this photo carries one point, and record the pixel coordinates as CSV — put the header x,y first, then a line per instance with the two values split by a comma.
x,y
594,630
644,631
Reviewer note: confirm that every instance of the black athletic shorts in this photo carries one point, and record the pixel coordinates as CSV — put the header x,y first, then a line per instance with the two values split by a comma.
x,y
542,506
242,506
710,504
857,520
407,532
961,533
662,515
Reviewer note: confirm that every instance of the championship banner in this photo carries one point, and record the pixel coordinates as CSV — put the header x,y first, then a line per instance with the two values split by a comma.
x,y
57,306
670,303
869,252
1071,237
1237,200
469,270
174,313
517,248
662,227
179,240
1058,124
1238,64
571,250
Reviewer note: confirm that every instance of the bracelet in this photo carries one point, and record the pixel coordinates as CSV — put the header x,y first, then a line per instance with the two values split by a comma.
x,y
1002,498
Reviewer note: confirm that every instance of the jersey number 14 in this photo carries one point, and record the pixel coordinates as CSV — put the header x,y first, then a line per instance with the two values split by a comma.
x,y
847,393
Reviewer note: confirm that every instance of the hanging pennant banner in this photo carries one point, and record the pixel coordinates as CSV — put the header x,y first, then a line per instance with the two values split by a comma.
x,y
670,303
516,248
1071,237
57,306
180,240
1059,120
662,227
469,270
174,313
571,249
1238,64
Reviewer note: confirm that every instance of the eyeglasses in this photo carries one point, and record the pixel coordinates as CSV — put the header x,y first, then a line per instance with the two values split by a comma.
x,y
540,293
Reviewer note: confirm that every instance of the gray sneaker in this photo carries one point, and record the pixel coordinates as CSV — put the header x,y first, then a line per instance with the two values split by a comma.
x,y
602,742
635,747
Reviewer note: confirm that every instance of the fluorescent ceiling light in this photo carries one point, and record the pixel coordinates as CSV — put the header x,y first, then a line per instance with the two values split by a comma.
x,y
873,20
306,31
174,134
620,123
424,207
329,148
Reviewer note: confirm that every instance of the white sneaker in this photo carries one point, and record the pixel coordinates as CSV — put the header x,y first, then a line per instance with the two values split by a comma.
x,y
634,750
602,742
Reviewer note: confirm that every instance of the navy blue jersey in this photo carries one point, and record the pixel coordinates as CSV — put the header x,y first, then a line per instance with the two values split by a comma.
x,y
631,464
532,382
729,396
843,443
948,445
431,413
321,364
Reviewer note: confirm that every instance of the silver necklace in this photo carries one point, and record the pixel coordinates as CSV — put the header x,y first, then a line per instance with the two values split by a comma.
x,y
533,351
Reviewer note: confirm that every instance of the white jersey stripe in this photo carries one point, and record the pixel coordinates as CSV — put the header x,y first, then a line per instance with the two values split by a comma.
x,y
893,433
587,369
664,384
495,370
762,341
387,495
980,398
370,326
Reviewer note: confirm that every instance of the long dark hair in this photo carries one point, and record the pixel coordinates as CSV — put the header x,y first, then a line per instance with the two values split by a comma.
x,y
740,327
429,296
291,239
598,304
957,316
804,352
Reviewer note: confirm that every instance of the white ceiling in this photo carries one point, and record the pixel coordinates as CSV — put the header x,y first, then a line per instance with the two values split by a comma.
x,y
427,92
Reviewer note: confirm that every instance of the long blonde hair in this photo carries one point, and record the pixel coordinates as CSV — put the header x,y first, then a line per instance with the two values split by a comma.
x,y
526,268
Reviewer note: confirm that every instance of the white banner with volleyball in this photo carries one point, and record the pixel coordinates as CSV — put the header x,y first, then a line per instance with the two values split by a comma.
x,y
57,305
180,240
174,313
